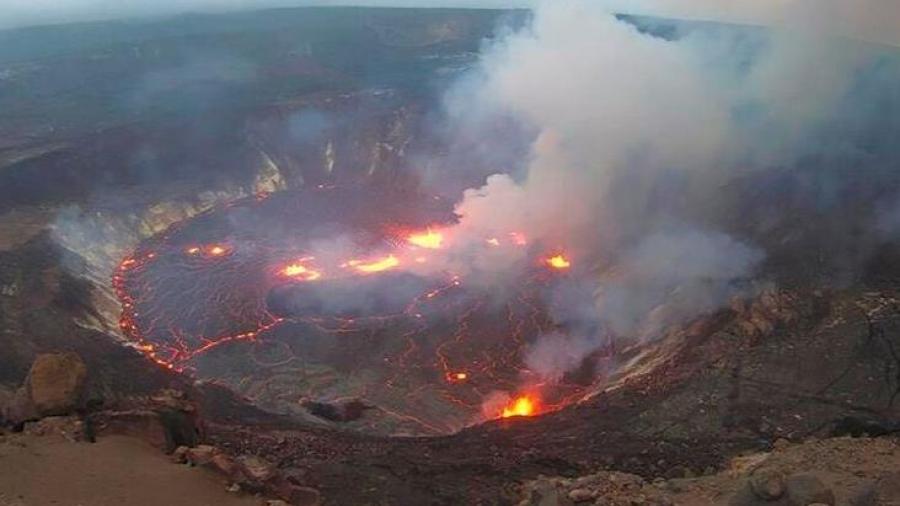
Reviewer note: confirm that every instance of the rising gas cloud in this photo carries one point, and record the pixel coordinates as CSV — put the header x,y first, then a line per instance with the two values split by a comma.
x,y
635,126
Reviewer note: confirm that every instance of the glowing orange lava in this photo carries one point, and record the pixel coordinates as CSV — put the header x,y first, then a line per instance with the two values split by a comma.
x,y
428,240
559,262
386,263
298,270
216,250
521,406
458,376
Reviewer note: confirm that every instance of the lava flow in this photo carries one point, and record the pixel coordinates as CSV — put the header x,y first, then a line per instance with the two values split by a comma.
x,y
521,406
299,270
559,262
373,266
429,239
280,314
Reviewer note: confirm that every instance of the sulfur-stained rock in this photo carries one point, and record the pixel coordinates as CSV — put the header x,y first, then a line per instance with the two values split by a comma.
x,y
56,383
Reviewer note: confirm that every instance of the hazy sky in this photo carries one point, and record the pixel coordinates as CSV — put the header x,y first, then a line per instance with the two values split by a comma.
x,y
877,20
30,12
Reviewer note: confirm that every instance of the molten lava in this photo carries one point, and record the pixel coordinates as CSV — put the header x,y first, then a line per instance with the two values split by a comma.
x,y
559,262
521,406
380,265
457,377
427,240
432,342
298,270
217,250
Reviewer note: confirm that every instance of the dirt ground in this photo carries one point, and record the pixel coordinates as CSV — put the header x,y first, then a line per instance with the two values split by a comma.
x,y
855,472
114,471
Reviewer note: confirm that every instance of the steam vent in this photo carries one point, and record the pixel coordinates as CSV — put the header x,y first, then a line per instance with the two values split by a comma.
x,y
540,255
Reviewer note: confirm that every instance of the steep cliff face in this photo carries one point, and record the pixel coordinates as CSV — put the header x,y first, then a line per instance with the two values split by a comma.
x,y
64,246
114,133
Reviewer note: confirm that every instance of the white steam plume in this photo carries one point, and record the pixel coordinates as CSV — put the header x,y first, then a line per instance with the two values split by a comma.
x,y
632,131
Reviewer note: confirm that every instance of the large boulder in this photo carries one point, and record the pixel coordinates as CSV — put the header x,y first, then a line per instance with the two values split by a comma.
x,y
56,382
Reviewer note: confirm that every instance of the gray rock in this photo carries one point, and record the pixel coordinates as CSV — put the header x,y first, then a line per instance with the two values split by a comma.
x,y
804,489
767,484
179,456
581,495
17,408
201,455
305,496
545,493
887,489
256,468
745,496
865,495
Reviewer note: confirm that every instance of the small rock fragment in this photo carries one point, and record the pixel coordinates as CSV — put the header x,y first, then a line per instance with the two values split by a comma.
x,y
256,468
201,454
581,495
179,456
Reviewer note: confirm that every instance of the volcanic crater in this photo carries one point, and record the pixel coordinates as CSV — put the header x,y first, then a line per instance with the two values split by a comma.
x,y
303,271
324,295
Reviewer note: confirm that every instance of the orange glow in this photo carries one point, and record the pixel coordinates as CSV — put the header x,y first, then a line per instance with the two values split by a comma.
x,y
299,271
193,250
386,263
458,376
559,262
518,238
216,250
493,241
428,240
521,406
